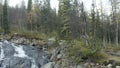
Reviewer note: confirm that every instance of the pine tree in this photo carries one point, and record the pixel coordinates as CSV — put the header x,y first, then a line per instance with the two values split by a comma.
x,y
93,23
98,26
1,14
75,23
29,16
83,16
64,9
115,4
29,7
5,24
46,16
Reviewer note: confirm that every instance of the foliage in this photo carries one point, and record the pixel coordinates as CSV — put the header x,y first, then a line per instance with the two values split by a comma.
x,y
5,24
29,15
29,7
70,23
80,52
64,19
112,47
30,34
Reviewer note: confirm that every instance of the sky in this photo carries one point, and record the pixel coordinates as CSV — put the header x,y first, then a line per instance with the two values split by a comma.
x,y
54,4
105,3
16,2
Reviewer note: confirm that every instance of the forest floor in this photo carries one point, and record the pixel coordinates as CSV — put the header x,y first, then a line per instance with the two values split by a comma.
x,y
112,55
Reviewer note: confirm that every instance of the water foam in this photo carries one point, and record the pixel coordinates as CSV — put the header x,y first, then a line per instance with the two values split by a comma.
x,y
21,53
2,53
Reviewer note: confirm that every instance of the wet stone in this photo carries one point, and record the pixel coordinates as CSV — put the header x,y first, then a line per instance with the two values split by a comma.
x,y
21,56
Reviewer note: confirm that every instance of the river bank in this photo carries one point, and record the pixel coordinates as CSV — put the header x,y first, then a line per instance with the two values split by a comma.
x,y
59,53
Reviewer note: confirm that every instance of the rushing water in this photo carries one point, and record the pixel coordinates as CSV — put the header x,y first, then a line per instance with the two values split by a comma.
x,y
20,51
2,52
20,56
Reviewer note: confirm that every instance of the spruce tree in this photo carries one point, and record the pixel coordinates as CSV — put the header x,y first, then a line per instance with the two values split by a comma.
x,y
29,16
64,9
1,7
5,24
46,16
29,7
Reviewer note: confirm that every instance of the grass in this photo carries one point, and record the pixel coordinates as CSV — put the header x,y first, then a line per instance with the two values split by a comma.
x,y
113,47
30,34
111,57
79,51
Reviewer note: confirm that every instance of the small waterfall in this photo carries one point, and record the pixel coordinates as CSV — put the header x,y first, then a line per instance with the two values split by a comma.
x,y
33,63
2,52
21,53
16,56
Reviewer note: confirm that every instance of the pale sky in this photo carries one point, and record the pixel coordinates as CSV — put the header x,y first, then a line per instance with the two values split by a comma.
x,y
16,2
105,3
54,4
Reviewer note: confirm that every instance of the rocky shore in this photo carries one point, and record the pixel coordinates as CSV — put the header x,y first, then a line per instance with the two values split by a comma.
x,y
58,56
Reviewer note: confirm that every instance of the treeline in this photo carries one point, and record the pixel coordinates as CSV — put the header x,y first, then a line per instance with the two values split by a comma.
x,y
72,21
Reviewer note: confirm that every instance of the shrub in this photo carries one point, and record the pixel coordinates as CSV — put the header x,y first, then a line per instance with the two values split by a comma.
x,y
81,52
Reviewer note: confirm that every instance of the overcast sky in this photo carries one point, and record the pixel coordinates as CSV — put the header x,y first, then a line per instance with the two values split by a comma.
x,y
54,3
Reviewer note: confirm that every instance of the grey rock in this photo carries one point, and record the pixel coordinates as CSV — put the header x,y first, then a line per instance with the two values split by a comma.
x,y
49,65
51,41
59,56
117,66
109,66
21,56
80,66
